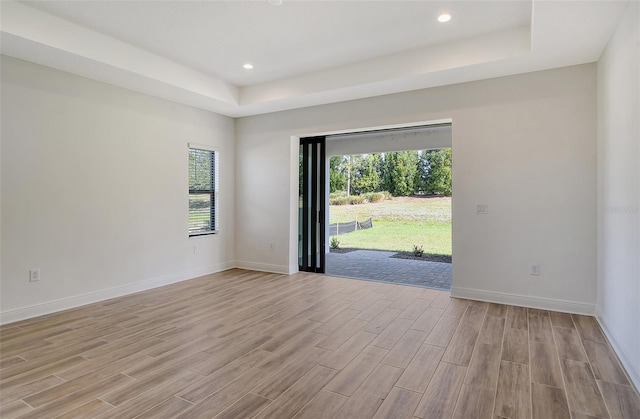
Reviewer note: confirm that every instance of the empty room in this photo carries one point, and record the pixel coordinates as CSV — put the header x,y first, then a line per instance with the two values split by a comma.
x,y
164,206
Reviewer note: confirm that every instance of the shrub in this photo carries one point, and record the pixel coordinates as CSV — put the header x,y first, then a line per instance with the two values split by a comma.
x,y
341,200
374,196
387,195
356,199
335,243
418,251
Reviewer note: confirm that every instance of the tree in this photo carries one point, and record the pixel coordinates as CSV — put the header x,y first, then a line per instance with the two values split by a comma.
x,y
400,170
337,174
435,166
365,174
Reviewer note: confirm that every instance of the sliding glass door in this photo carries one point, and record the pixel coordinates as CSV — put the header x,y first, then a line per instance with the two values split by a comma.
x,y
311,225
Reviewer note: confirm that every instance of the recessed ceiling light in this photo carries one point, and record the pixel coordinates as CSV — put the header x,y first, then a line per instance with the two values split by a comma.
x,y
444,18
248,66
275,2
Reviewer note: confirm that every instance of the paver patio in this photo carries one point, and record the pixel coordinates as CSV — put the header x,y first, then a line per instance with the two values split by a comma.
x,y
378,265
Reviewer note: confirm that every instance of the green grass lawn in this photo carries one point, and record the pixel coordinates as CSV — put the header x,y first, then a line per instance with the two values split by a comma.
x,y
398,224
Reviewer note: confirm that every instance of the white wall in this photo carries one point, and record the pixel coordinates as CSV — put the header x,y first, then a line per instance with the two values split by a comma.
x,y
397,140
524,145
94,190
618,307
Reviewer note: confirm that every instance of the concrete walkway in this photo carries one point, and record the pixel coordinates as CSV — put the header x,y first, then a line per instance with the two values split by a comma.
x,y
380,266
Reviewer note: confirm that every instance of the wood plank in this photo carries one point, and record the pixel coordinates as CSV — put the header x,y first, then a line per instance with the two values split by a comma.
x,y
540,329
299,394
492,330
474,402
54,356
78,398
415,309
548,402
334,323
484,366
569,344
225,397
442,300
588,328
497,310
485,362
583,394
324,406
87,410
515,347
402,353
372,311
367,300
440,398
246,407
42,372
399,404
343,334
220,358
461,346
167,409
537,312
68,387
121,349
443,331
575,415
456,308
418,374
428,319
370,395
14,409
392,333
622,400
212,383
284,336
342,356
404,300
561,320
517,318
382,320
151,398
296,346
127,355
11,361
604,362
280,381
545,367
349,379
137,387
25,390
513,397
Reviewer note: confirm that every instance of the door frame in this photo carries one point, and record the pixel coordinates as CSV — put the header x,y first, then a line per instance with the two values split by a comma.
x,y
312,237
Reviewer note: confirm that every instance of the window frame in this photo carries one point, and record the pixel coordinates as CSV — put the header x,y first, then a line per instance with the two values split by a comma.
x,y
214,192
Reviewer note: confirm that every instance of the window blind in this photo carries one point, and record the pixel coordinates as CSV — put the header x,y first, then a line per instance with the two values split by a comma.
x,y
202,191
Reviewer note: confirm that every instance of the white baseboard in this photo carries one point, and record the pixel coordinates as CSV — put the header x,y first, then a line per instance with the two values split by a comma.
x,y
101,295
625,360
524,301
263,267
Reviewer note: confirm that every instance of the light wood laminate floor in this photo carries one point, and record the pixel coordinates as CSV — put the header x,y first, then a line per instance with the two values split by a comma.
x,y
242,344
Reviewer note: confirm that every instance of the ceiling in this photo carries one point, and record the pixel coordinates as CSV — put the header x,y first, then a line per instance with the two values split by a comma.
x,y
304,53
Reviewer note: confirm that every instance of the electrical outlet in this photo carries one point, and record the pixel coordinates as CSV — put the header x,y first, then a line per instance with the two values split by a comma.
x,y
482,209
34,275
196,249
535,270
272,246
